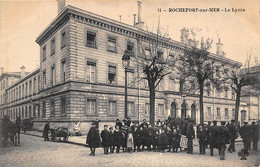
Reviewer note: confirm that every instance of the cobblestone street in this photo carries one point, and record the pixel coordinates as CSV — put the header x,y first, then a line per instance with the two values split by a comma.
x,y
35,152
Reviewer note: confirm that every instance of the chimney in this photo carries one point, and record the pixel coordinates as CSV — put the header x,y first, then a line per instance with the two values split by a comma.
x,y
140,23
120,16
219,50
22,71
61,5
184,36
1,70
134,19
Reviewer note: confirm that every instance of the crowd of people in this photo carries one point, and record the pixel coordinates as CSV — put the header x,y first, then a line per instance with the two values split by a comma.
x,y
10,130
171,135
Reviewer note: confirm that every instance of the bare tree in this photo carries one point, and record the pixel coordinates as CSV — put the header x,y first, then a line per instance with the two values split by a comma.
x,y
153,64
197,67
239,78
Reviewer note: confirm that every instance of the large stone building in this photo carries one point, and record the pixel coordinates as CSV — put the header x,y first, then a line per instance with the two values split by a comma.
x,y
81,77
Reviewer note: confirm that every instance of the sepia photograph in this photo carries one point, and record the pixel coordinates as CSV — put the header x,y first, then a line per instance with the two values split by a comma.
x,y
112,83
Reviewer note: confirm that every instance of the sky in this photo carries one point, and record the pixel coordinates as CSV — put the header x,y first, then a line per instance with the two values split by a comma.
x,y
22,21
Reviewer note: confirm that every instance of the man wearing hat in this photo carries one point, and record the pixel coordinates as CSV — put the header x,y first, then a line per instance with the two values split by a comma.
x,y
255,135
223,139
213,134
190,135
245,132
233,135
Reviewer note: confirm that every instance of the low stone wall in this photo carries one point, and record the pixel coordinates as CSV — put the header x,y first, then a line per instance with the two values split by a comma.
x,y
84,126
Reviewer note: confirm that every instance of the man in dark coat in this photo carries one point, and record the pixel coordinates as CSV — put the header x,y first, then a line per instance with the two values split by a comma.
x,y
119,124
105,139
144,123
213,134
201,134
255,135
233,135
190,134
17,130
245,132
93,139
46,131
223,139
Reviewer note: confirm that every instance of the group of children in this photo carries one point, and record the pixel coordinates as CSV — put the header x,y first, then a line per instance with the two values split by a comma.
x,y
136,137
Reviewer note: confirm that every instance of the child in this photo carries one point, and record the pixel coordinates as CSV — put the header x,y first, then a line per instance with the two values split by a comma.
x,y
118,138
163,140
105,139
111,139
155,141
130,141
93,139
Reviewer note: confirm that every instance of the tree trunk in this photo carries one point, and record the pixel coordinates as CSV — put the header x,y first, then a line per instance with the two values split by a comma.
x,y
238,92
152,105
201,103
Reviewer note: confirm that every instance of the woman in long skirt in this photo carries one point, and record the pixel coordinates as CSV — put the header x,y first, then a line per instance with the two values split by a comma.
x,y
93,139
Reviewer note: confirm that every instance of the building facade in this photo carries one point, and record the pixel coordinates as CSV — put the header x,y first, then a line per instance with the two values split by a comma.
x,y
81,77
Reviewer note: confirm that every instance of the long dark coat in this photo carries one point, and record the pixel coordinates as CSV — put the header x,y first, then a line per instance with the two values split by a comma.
x,y
111,139
213,135
232,130
245,132
190,133
223,135
105,138
93,139
163,139
118,137
46,130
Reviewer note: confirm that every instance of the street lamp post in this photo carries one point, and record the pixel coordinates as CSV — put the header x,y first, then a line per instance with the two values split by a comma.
x,y
125,64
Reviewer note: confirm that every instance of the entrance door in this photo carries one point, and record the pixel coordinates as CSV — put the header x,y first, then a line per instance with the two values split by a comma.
x,y
193,112
183,110
173,110
243,116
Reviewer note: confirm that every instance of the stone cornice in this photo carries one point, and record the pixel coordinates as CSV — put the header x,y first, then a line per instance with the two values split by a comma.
x,y
108,24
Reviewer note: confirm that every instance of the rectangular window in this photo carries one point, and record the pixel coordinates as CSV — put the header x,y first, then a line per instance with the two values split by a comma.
x,y
218,93
34,111
26,112
91,71
160,109
91,39
130,46
23,91
112,107
20,95
30,87
43,109
38,82
63,71
30,111
233,95
226,112
44,79
147,51
91,108
53,76
209,111
226,93
111,44
130,78
217,72
131,108
172,85
53,46
112,75
52,108
63,106
147,109
181,85
63,39
218,113
208,90
233,113
26,89
34,85
160,55
44,53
